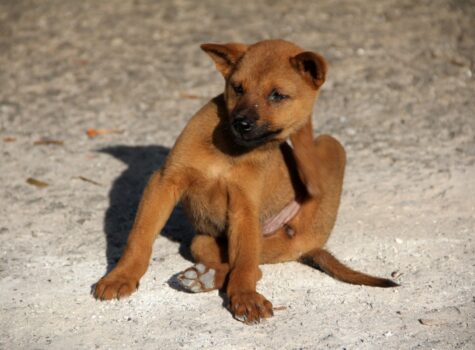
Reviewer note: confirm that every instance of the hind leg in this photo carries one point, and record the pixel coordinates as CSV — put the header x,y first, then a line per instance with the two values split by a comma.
x,y
321,164
321,169
211,268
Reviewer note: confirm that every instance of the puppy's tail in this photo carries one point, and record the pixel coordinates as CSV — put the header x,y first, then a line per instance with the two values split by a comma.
x,y
326,262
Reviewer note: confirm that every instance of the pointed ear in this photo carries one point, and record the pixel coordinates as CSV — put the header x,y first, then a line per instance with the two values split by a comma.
x,y
225,56
312,66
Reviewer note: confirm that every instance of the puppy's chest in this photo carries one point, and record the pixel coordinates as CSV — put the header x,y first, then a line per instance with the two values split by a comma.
x,y
206,203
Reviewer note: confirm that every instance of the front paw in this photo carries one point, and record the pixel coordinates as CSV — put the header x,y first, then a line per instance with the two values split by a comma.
x,y
115,286
250,307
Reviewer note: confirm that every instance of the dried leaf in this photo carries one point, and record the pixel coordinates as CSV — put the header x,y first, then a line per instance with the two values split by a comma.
x,y
46,141
189,96
81,62
36,182
91,132
457,62
431,322
9,139
89,180
280,308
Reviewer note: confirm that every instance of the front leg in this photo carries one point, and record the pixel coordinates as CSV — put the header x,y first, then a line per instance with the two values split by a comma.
x,y
244,242
158,200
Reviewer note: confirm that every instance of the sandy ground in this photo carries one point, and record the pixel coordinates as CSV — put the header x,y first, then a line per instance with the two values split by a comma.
x,y
399,96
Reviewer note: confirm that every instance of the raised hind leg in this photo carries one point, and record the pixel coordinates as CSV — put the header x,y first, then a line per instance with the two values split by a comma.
x,y
321,169
321,164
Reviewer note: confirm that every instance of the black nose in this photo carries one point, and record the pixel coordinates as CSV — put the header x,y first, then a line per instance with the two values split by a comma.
x,y
243,125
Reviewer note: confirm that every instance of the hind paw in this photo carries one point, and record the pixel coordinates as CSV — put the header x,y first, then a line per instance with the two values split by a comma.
x,y
198,278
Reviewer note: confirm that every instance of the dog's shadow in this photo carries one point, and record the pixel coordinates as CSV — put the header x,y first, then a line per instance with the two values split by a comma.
x,y
124,198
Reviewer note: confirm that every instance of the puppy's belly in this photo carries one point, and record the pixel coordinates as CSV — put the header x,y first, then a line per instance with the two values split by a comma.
x,y
278,220
209,217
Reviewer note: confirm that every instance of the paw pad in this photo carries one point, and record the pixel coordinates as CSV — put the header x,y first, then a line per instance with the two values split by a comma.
x,y
198,278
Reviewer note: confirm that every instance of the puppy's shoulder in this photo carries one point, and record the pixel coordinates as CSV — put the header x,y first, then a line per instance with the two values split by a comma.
x,y
196,139
203,123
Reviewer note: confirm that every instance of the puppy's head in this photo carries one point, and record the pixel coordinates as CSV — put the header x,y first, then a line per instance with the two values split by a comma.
x,y
270,88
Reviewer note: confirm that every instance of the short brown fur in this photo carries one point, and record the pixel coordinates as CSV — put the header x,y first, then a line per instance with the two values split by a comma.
x,y
232,180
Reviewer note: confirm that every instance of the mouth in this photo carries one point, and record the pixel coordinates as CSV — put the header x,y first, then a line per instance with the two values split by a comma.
x,y
257,137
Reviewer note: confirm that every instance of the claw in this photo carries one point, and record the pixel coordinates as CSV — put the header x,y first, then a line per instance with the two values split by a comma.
x,y
241,318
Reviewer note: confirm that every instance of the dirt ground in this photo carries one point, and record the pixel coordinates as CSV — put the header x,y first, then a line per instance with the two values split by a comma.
x,y
399,95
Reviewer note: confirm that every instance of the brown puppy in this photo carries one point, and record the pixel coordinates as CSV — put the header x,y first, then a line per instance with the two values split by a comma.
x,y
251,198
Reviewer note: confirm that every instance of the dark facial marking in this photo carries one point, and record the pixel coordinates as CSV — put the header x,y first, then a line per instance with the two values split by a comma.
x,y
260,136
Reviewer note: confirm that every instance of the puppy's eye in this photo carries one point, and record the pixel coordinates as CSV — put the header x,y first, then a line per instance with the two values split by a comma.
x,y
238,89
276,96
